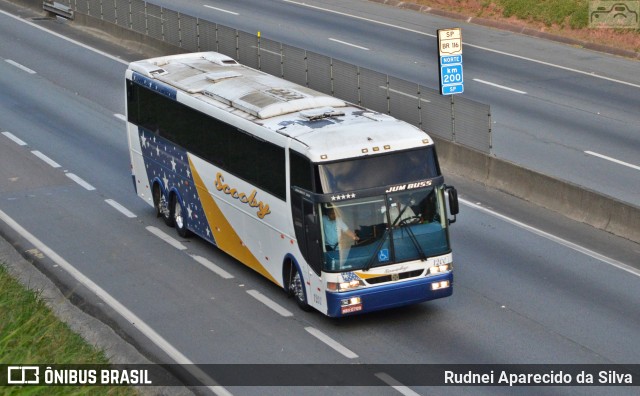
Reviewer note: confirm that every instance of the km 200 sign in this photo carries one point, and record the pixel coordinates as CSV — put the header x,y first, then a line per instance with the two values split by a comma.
x,y
450,61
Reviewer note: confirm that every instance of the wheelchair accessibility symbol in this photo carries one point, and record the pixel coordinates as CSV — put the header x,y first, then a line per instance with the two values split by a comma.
x,y
383,255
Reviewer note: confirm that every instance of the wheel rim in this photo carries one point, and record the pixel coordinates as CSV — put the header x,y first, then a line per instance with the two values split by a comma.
x,y
163,207
178,215
296,285
157,199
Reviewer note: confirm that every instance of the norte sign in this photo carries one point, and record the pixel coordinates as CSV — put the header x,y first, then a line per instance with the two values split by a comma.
x,y
450,61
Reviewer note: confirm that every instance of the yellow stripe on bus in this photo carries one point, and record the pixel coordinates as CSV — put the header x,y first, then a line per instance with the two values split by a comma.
x,y
225,236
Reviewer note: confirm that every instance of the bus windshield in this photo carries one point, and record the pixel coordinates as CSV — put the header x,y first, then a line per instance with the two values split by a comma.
x,y
386,229
392,168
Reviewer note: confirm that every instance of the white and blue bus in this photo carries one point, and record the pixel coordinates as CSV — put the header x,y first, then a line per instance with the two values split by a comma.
x,y
261,167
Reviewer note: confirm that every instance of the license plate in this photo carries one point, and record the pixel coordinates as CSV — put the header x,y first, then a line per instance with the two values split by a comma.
x,y
351,308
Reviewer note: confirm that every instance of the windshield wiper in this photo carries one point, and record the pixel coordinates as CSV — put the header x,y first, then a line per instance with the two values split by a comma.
x,y
412,236
367,266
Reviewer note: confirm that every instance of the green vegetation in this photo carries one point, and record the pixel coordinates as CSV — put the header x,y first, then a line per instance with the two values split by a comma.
x,y
31,334
564,13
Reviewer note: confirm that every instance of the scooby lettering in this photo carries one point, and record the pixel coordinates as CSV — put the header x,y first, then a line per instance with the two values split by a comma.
x,y
250,199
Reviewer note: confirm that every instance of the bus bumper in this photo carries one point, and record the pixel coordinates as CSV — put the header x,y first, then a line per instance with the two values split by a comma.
x,y
393,295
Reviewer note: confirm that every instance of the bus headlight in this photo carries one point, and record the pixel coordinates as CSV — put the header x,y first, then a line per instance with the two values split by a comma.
x,y
351,301
440,285
438,269
344,286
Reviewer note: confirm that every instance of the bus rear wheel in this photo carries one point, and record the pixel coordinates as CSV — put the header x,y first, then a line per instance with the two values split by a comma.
x,y
179,218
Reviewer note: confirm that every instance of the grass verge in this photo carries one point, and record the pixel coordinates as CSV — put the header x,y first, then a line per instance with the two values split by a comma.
x,y
31,334
568,18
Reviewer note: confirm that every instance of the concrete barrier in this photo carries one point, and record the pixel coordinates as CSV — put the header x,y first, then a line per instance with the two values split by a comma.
x,y
568,199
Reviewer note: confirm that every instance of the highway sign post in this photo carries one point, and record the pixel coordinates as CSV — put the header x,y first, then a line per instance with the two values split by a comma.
x,y
450,56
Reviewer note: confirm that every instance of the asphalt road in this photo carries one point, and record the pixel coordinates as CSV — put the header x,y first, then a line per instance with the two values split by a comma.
x,y
564,111
530,286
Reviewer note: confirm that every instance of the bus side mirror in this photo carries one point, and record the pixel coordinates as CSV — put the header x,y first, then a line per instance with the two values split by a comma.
x,y
454,208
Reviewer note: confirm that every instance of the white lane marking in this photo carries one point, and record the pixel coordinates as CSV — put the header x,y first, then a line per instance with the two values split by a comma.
x,y
120,208
359,17
331,342
556,239
117,306
469,45
221,10
636,167
80,181
499,86
120,117
46,159
590,74
19,66
349,44
264,51
269,303
162,235
64,38
395,384
208,264
15,139
403,94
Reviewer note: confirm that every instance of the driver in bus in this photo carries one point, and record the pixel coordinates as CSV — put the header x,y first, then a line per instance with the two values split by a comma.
x,y
399,211
335,229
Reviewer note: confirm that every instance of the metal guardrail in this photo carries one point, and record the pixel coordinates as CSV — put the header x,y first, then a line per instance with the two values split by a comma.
x,y
58,9
454,118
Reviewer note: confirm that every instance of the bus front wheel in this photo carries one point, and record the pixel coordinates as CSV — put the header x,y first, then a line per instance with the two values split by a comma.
x,y
296,289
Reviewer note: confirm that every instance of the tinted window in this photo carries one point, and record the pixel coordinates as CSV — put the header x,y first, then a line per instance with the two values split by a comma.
x,y
380,170
301,171
252,159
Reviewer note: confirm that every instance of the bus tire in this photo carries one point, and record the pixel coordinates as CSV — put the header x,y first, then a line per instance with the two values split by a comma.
x,y
167,215
179,217
296,289
162,206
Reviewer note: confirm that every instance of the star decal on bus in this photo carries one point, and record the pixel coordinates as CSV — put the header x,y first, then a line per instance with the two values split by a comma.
x,y
340,197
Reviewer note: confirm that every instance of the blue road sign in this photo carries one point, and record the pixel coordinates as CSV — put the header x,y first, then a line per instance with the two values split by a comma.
x,y
451,59
451,76
452,89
